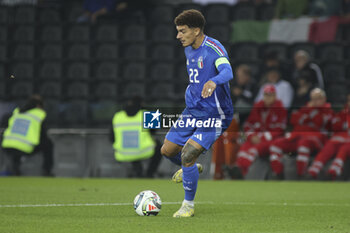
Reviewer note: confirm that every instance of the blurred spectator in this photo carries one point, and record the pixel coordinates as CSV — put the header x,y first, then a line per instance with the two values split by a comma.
x,y
243,91
26,134
95,8
325,8
271,60
304,65
336,146
310,127
303,89
284,90
267,121
291,8
131,142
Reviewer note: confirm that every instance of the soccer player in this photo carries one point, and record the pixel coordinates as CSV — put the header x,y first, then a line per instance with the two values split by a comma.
x,y
207,98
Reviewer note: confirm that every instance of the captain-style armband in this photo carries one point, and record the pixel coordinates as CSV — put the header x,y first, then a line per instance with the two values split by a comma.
x,y
221,60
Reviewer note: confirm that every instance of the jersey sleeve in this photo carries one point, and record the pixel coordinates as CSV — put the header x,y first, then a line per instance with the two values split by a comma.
x,y
221,63
225,71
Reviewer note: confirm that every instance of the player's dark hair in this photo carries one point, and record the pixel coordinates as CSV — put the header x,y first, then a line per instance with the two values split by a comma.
x,y
192,18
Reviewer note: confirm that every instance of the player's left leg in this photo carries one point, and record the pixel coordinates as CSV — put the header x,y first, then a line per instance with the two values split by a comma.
x,y
189,155
201,140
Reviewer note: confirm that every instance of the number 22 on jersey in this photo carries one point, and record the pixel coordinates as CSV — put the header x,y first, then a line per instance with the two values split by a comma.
x,y
193,75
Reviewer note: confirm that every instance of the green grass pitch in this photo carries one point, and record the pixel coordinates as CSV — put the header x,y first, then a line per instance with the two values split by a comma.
x,y
223,206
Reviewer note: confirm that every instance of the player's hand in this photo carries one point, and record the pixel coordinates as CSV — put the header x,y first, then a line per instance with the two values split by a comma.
x,y
208,89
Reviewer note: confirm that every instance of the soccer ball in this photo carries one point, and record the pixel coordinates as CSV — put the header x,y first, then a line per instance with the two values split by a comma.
x,y
147,203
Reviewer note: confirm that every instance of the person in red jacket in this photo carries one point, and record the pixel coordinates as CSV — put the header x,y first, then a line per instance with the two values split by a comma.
x,y
267,121
340,137
310,125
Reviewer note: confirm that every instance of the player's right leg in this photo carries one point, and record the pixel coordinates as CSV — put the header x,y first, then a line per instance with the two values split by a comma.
x,y
171,151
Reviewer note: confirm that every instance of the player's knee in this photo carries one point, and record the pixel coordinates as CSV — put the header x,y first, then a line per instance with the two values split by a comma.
x,y
164,151
189,154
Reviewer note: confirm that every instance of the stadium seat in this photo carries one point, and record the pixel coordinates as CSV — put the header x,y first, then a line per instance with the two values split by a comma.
x,y
79,51
133,88
107,51
105,90
78,33
161,91
2,89
3,52
3,33
106,71
75,113
21,89
243,11
23,52
78,71
181,74
347,52
244,52
106,33
4,15
50,16
162,52
134,71
50,89
163,33
72,10
135,51
162,72
24,33
343,33
217,13
266,12
50,71
25,15
52,108
308,47
162,14
2,72
51,52
330,52
220,32
102,112
134,33
333,72
78,90
51,34
280,48
188,6
336,94
22,70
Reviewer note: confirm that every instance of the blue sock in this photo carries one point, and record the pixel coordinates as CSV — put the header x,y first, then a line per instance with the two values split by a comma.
x,y
176,159
190,180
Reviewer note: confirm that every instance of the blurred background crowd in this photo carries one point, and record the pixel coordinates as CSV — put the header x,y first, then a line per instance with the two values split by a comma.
x,y
87,58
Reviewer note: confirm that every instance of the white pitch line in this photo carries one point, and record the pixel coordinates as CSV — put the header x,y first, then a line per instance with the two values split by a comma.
x,y
176,203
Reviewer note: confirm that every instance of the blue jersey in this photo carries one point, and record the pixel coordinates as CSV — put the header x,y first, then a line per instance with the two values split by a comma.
x,y
208,62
